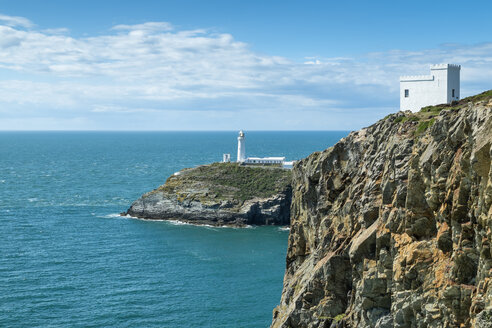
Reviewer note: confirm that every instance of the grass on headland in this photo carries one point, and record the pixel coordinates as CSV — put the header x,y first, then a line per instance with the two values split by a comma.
x,y
456,105
230,181
426,116
403,119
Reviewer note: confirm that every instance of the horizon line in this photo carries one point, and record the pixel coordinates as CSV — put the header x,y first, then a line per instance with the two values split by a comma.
x,y
253,130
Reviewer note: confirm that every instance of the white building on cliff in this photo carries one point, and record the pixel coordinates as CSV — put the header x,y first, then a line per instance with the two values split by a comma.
x,y
441,86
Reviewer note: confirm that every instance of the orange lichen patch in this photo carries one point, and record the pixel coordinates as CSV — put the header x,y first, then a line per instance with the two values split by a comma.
x,y
382,231
487,282
443,227
417,252
386,207
456,195
401,239
457,156
443,208
469,287
397,271
442,267
412,255
369,265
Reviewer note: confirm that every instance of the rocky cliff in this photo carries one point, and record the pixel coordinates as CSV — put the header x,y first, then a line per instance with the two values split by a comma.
x,y
220,194
392,226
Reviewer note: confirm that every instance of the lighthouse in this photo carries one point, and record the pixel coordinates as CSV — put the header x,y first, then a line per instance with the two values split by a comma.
x,y
241,151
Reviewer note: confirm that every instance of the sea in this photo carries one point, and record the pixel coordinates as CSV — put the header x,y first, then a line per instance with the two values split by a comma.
x,y
67,259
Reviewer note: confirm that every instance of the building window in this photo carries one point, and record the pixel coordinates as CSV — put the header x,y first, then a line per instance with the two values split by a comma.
x,y
453,93
406,93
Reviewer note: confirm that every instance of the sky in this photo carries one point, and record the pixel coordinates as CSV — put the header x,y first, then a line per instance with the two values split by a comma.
x,y
227,65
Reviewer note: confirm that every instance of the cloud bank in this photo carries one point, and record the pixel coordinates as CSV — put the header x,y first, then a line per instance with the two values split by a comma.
x,y
154,76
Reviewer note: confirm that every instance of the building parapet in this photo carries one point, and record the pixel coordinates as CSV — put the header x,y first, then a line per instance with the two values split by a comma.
x,y
411,78
444,66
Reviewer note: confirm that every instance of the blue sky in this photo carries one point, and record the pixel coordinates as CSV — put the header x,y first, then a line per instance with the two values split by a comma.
x,y
226,65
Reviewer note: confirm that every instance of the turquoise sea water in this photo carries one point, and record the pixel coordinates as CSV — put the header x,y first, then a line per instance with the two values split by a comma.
x,y
68,260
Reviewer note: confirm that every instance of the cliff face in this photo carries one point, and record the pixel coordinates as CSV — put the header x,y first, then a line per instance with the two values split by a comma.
x,y
392,226
220,194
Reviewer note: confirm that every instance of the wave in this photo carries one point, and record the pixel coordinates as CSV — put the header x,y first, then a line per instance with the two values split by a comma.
x,y
178,222
172,222
116,216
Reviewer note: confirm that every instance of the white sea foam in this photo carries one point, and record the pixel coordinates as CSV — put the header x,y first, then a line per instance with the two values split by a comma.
x,y
113,216
284,228
173,222
247,226
207,226
176,222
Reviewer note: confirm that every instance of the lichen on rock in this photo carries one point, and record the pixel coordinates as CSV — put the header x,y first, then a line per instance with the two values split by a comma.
x,y
391,227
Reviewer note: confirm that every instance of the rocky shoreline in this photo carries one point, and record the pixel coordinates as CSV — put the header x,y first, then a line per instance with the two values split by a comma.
x,y
220,195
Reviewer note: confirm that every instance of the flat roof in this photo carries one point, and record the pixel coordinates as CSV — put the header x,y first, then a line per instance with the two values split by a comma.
x,y
266,158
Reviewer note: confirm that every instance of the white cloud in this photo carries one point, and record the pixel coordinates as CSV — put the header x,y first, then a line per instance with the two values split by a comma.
x,y
152,67
313,62
15,21
120,109
149,26
61,30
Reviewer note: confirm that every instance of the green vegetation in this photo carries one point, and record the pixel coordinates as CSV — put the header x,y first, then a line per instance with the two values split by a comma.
x,y
387,116
426,116
399,119
403,119
228,181
339,317
481,96
431,111
424,125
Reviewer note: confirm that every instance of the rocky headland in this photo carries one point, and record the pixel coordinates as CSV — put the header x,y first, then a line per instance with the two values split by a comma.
x,y
220,194
392,226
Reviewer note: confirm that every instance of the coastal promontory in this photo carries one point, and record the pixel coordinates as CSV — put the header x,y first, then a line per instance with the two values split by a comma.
x,y
220,194
392,226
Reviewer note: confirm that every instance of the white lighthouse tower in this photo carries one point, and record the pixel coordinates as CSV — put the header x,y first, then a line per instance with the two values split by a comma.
x,y
241,151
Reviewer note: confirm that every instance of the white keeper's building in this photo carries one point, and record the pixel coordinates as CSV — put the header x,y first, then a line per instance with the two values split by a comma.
x,y
441,86
241,156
